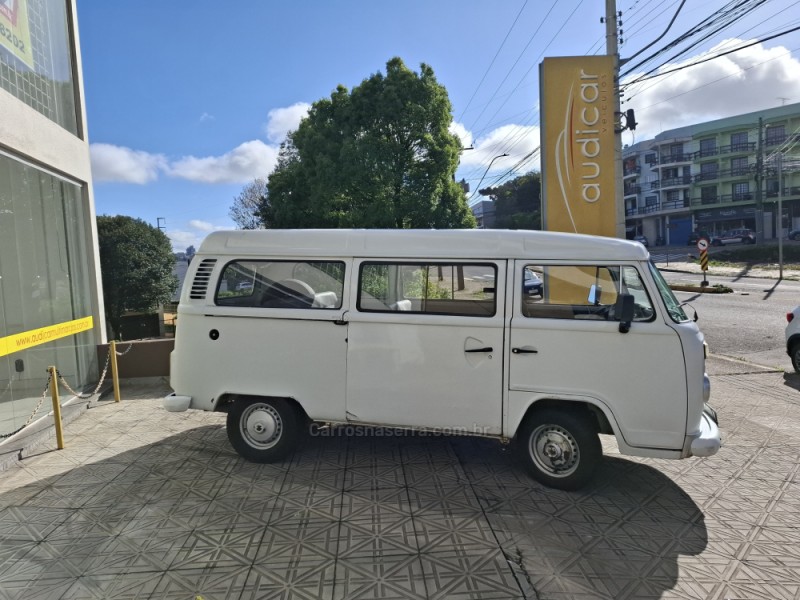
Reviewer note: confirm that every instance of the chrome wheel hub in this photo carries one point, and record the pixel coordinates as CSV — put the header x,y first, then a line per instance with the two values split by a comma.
x,y
261,426
554,450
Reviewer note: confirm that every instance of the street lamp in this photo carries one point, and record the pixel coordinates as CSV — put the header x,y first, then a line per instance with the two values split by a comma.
x,y
478,187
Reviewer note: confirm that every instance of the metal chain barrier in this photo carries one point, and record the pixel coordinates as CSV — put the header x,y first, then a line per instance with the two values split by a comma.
x,y
35,410
64,382
102,376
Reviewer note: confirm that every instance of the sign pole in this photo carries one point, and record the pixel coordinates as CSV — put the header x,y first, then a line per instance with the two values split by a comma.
x,y
702,246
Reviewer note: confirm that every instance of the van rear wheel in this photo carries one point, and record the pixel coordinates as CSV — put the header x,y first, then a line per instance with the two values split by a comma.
x,y
560,449
262,430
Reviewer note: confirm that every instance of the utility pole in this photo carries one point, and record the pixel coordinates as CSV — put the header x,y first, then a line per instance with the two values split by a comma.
x,y
612,49
779,159
759,177
160,226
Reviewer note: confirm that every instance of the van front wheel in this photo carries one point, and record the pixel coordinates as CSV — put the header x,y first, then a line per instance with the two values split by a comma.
x,y
263,430
560,449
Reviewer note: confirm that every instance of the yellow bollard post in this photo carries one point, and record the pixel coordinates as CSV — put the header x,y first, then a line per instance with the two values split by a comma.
x,y
56,407
112,348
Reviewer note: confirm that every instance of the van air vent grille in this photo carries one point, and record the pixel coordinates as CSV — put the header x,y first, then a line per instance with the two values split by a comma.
x,y
201,279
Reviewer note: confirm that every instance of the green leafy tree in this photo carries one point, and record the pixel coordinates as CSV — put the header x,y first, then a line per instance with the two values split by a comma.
x,y
246,206
518,202
379,156
136,262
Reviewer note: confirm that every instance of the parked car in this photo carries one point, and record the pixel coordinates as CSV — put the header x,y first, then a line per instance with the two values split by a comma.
x,y
532,285
794,234
793,337
696,235
642,239
244,286
734,236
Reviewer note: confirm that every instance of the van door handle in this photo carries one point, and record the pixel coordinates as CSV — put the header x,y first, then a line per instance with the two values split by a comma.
x,y
486,349
524,351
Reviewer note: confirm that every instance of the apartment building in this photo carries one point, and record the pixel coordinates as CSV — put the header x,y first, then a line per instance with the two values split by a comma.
x,y
714,176
50,291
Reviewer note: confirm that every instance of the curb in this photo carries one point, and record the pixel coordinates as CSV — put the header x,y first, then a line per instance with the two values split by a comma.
x,y
708,289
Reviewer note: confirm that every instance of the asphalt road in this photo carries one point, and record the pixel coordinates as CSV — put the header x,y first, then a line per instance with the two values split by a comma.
x,y
747,324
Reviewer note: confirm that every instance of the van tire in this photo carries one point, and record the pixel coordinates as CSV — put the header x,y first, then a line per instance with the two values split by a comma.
x,y
262,430
560,449
794,353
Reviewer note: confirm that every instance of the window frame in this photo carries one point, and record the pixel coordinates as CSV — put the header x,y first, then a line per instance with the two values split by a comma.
x,y
294,261
429,264
560,308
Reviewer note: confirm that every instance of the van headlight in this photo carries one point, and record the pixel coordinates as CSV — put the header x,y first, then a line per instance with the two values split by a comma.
x,y
706,387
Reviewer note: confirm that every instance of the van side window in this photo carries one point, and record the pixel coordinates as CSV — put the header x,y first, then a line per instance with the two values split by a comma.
x,y
428,288
584,292
281,284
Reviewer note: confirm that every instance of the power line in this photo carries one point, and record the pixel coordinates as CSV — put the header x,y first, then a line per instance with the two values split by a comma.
x,y
704,60
489,68
720,19
508,74
638,92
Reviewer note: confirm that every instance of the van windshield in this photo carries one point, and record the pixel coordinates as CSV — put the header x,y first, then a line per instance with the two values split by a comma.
x,y
674,309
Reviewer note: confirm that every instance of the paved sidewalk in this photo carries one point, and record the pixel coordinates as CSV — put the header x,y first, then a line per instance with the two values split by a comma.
x,y
146,504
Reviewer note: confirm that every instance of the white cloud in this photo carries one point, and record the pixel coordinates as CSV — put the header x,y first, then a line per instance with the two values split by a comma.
x,y
206,117
459,130
749,80
120,164
241,165
202,225
182,239
515,140
281,121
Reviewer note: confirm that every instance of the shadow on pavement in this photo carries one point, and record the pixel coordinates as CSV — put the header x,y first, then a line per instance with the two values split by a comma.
x,y
792,380
365,515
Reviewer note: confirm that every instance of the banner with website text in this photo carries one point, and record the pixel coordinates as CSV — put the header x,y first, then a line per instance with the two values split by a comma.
x,y
577,144
27,339
15,32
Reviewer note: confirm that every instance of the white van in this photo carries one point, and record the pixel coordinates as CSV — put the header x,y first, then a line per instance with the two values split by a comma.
x,y
434,330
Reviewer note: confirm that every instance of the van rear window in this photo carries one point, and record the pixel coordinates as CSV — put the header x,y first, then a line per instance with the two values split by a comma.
x,y
281,284
429,288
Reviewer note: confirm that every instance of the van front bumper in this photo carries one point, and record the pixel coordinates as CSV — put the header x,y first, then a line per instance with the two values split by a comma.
x,y
175,403
708,441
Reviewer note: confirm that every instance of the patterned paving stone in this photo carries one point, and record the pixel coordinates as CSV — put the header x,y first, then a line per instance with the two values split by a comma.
x,y
215,583
145,506
396,576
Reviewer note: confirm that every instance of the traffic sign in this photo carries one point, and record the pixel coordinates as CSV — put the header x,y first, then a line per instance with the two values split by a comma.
x,y
702,244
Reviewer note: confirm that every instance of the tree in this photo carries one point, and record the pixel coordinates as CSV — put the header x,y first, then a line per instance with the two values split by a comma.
x,y
518,202
380,156
246,206
136,264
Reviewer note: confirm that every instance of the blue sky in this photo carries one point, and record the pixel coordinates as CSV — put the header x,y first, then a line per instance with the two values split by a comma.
x,y
188,101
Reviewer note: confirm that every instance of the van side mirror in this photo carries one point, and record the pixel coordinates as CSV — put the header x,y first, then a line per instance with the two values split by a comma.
x,y
624,309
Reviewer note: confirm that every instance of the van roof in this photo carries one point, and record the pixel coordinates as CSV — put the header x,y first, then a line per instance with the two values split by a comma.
x,y
420,243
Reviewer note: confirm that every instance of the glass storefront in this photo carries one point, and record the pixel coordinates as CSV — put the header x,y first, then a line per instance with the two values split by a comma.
x,y
44,281
36,59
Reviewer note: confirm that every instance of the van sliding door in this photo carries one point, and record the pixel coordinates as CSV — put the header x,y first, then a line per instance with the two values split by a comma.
x,y
425,344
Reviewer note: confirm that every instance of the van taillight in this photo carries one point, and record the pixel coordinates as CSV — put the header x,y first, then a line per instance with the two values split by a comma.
x,y
789,317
